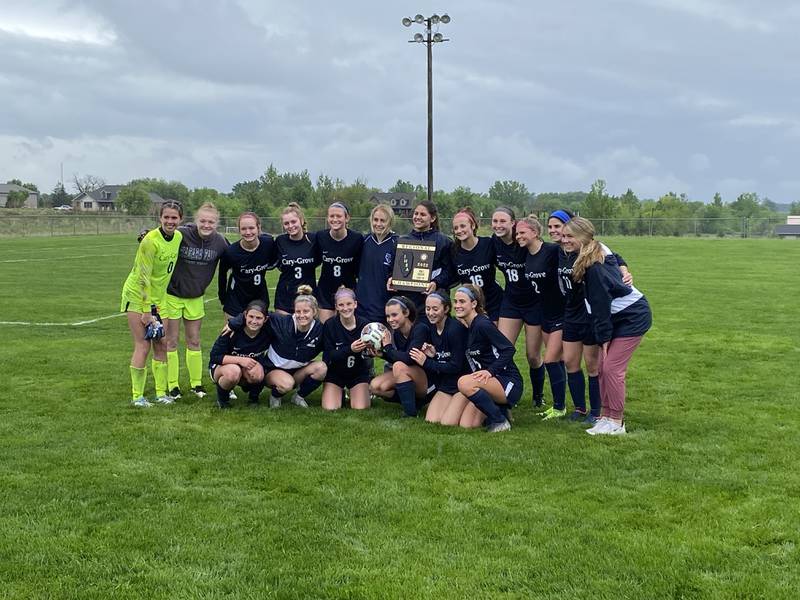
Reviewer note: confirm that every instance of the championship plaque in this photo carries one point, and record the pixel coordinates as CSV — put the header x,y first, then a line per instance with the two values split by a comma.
x,y
412,265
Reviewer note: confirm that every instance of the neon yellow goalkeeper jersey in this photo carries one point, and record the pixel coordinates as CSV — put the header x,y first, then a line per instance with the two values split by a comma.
x,y
152,269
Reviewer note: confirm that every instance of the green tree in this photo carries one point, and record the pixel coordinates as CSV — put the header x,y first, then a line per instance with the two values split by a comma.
x,y
135,200
14,182
512,194
794,209
402,187
16,198
598,204
172,190
746,205
59,196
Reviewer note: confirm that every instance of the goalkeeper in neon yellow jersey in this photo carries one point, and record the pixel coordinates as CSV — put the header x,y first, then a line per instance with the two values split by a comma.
x,y
142,296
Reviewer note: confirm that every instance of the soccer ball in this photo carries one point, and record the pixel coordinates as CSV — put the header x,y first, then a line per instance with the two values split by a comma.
x,y
373,334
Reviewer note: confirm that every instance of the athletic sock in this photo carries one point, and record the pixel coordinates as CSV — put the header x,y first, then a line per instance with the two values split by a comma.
x,y
138,381
173,369
537,383
558,384
405,393
159,368
223,395
577,389
254,391
594,395
486,405
194,364
275,393
309,385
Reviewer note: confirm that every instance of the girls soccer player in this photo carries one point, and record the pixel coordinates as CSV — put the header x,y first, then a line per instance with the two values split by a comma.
x,y
620,316
404,380
375,266
295,340
142,297
425,221
296,258
495,385
519,306
444,360
541,273
243,267
474,260
338,250
200,250
239,358
342,352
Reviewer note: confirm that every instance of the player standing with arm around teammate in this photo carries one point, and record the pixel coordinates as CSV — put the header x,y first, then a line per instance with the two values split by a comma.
x,y
474,260
620,316
142,296
338,251
342,352
297,258
200,251
375,266
495,385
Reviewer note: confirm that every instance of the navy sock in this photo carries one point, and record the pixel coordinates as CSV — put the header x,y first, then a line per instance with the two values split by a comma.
x,y
275,393
558,384
486,405
309,385
577,389
537,383
254,391
223,396
594,395
405,393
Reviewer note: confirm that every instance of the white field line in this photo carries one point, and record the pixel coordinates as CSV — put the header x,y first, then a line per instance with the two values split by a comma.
x,y
87,322
52,258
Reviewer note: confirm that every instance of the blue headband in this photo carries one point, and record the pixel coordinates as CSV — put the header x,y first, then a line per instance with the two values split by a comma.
x,y
397,300
560,215
468,292
440,295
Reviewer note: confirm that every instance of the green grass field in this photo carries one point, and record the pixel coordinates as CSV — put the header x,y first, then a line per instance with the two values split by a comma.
x,y
701,499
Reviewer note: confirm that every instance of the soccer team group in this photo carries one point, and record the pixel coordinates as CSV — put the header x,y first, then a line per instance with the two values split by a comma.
x,y
448,351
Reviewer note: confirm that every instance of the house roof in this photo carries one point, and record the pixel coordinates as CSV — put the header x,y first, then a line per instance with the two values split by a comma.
x,y
787,230
113,190
13,187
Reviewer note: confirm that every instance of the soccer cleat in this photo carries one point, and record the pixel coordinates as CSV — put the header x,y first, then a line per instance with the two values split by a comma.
x,y
538,401
233,396
274,402
223,404
578,415
298,401
199,391
503,425
175,393
553,413
141,402
165,399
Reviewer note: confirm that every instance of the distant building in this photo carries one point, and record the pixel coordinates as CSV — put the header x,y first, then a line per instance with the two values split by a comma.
x,y
104,199
5,188
791,230
402,202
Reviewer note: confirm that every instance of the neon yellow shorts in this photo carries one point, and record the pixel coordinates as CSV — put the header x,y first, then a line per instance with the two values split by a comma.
x,y
128,305
190,309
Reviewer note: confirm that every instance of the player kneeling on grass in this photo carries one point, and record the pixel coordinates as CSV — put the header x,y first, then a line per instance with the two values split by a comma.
x,y
238,358
142,295
342,352
404,381
495,385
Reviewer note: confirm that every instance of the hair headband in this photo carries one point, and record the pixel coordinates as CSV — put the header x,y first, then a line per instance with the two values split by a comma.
x,y
468,215
468,292
506,210
440,295
341,292
396,300
560,215
340,205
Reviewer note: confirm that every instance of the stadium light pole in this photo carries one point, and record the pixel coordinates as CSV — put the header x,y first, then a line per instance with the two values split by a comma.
x,y
429,39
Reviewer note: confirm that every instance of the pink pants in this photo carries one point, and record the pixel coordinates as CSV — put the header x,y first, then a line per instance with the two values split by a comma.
x,y
613,367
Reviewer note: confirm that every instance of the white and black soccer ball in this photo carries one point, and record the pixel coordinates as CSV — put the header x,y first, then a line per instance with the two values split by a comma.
x,y
373,333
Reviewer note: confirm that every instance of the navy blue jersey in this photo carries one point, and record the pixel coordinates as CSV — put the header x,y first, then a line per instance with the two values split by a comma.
x,y
488,349
510,259
339,260
242,274
616,310
297,262
442,269
574,292
477,266
374,271
289,347
337,353
398,349
541,272
240,344
450,362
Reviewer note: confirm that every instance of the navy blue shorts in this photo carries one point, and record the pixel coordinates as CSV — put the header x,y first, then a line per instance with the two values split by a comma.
x,y
549,325
512,387
530,315
325,298
578,332
347,379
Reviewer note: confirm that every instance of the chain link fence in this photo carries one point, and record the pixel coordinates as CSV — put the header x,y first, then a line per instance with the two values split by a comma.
x,y
81,224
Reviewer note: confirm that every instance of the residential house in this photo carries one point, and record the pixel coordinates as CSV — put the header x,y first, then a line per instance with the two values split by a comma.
x,y
5,188
104,199
402,202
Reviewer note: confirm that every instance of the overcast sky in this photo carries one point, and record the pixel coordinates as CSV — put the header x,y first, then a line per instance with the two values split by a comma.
x,y
693,96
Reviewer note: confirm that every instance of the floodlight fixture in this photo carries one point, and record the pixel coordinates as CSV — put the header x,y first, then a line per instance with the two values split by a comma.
x,y
445,19
438,37
419,19
407,22
418,37
434,19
